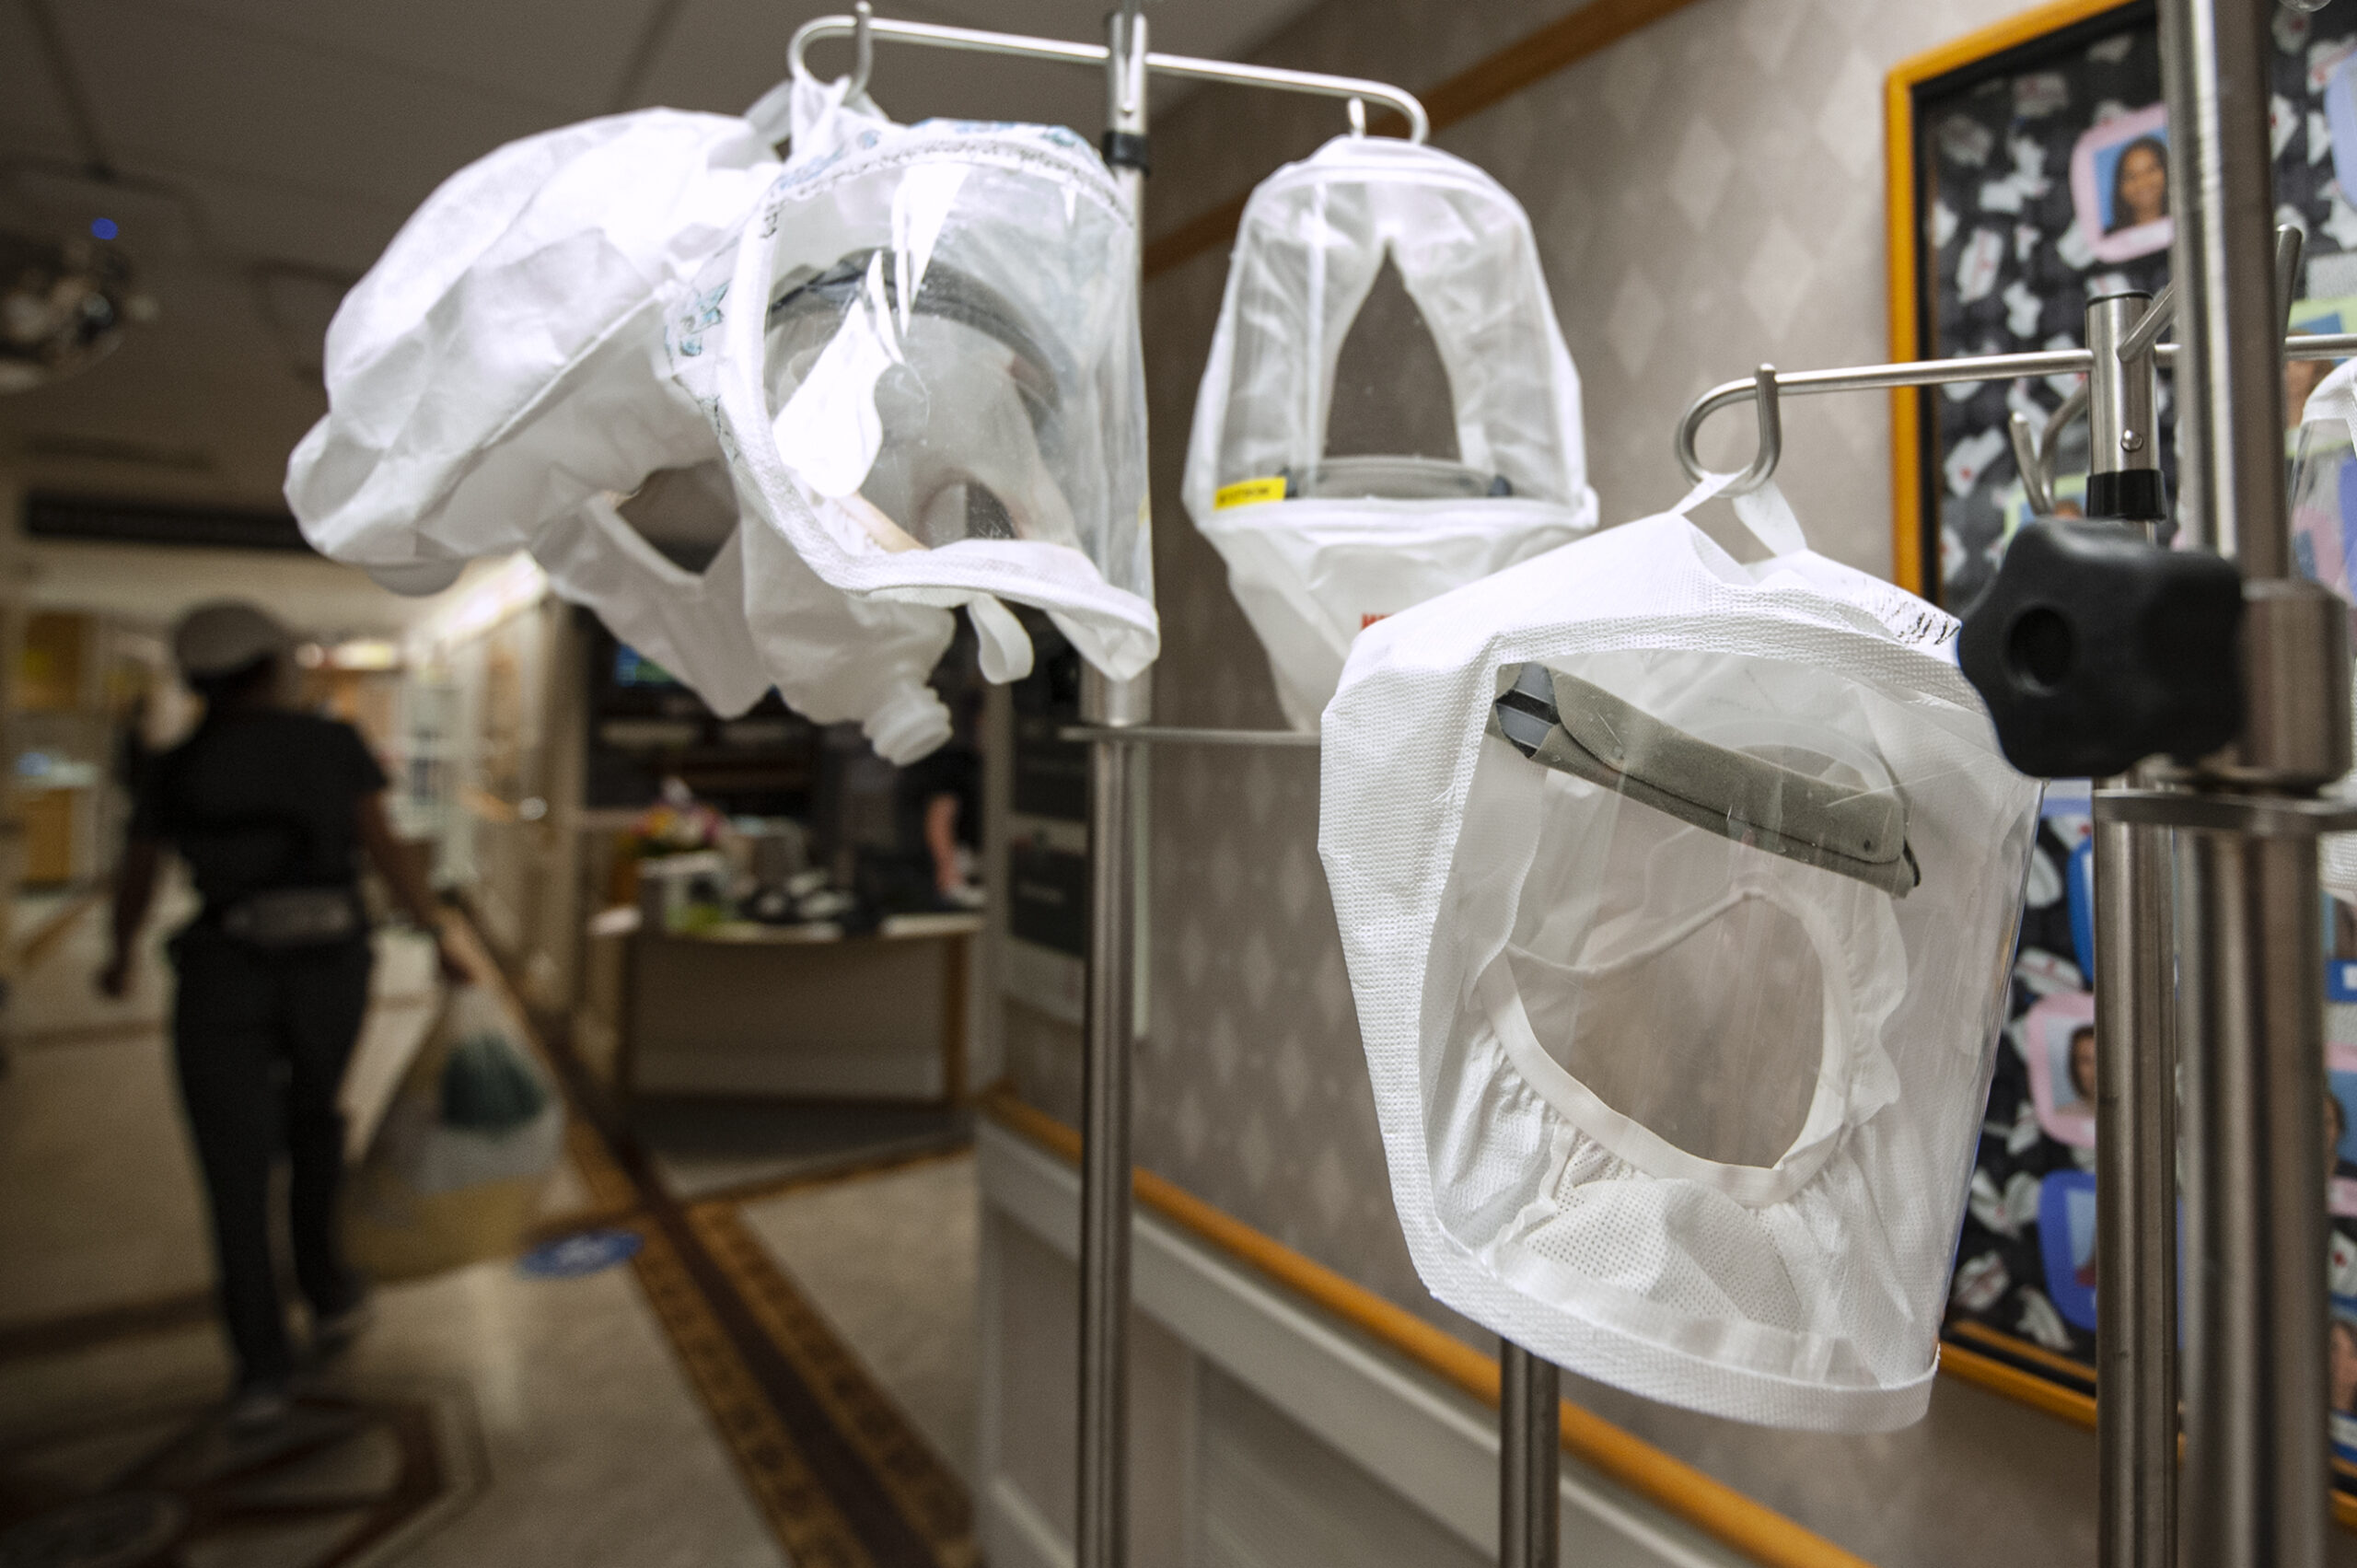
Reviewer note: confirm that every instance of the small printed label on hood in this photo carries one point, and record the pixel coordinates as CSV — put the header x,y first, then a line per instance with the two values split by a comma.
x,y
1249,493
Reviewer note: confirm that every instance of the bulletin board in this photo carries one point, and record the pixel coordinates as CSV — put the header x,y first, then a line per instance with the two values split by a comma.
x,y
2029,172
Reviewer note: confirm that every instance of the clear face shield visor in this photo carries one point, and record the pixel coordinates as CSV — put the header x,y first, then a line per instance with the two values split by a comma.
x,y
950,409
1704,948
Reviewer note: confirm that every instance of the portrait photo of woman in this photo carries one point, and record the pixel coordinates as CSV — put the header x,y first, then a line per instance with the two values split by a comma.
x,y
2120,186
2058,1040
2140,185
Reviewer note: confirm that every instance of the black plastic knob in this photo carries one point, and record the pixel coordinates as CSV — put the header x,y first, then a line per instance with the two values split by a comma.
x,y
2096,649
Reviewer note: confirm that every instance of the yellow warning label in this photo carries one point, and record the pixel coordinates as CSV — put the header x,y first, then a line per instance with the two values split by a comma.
x,y
1249,493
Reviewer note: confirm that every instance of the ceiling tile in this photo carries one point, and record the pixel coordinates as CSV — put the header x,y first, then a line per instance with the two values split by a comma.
x,y
247,104
567,54
209,375
256,220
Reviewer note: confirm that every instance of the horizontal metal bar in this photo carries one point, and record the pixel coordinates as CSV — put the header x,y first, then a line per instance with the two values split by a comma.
x,y
1857,378
1973,368
974,40
2254,816
2316,345
1940,372
1180,734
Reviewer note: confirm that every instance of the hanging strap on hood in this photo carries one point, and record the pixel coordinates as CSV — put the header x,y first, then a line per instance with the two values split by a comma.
x,y
1574,726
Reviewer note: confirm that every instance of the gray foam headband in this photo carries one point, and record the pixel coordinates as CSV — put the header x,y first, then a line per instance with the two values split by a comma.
x,y
1576,728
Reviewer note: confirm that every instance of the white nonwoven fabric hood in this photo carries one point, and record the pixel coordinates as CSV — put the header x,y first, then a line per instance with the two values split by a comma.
x,y
1327,530
2323,535
937,397
1678,897
495,383
492,369
500,381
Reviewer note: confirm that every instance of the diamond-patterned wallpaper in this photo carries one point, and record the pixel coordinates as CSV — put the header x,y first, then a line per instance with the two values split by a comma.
x,y
1708,194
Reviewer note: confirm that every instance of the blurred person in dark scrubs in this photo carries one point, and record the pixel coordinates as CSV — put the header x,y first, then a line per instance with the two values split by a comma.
x,y
271,811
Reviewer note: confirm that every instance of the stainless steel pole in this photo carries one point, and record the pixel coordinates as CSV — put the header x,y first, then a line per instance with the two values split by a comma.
x,y
2136,1197
2135,1001
1103,1504
2256,1480
2255,1454
1529,1445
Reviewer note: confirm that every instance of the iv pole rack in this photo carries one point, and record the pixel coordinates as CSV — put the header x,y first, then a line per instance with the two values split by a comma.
x,y
2254,1417
2243,882
974,40
1766,388
1115,716
1767,385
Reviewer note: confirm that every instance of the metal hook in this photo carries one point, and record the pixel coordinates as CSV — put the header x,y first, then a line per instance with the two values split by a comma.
x,y
1358,117
2032,472
1768,409
2289,245
2037,464
863,48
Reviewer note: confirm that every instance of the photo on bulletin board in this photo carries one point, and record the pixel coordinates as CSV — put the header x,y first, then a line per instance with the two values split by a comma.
x,y
2341,1366
2120,186
2029,173
2022,1302
2340,1128
2060,1051
2066,1228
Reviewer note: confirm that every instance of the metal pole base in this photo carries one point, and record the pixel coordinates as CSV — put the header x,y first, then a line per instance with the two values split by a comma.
x,y
1530,1444
2256,1466
2136,1195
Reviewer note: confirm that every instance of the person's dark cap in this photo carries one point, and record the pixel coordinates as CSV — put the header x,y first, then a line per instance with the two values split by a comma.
x,y
225,636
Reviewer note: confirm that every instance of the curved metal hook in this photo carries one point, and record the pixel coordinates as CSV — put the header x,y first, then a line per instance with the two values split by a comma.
x,y
2051,443
2032,472
863,61
1766,405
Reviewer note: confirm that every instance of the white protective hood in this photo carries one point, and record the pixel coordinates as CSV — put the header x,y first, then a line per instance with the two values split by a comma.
x,y
1678,897
499,381
492,382
2324,537
1327,530
938,399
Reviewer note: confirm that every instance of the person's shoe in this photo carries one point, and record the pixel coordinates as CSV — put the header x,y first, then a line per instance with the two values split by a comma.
x,y
333,1333
258,1405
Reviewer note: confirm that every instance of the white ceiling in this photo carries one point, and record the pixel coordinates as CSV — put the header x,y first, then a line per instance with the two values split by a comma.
x,y
263,152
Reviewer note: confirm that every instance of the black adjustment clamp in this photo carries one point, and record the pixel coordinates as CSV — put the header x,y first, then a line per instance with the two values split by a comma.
x,y
2096,649
1126,149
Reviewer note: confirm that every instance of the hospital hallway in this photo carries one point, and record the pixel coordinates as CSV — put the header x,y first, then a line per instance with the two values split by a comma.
x,y
1178,784
733,1336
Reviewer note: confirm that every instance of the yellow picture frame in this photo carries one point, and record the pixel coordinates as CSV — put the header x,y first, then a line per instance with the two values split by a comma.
x,y
1901,158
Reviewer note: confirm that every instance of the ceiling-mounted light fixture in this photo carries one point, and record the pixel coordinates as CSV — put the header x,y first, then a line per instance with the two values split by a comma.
x,y
63,307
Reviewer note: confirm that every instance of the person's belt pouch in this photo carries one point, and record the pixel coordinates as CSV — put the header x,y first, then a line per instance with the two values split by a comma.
x,y
1677,896
1388,410
279,919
